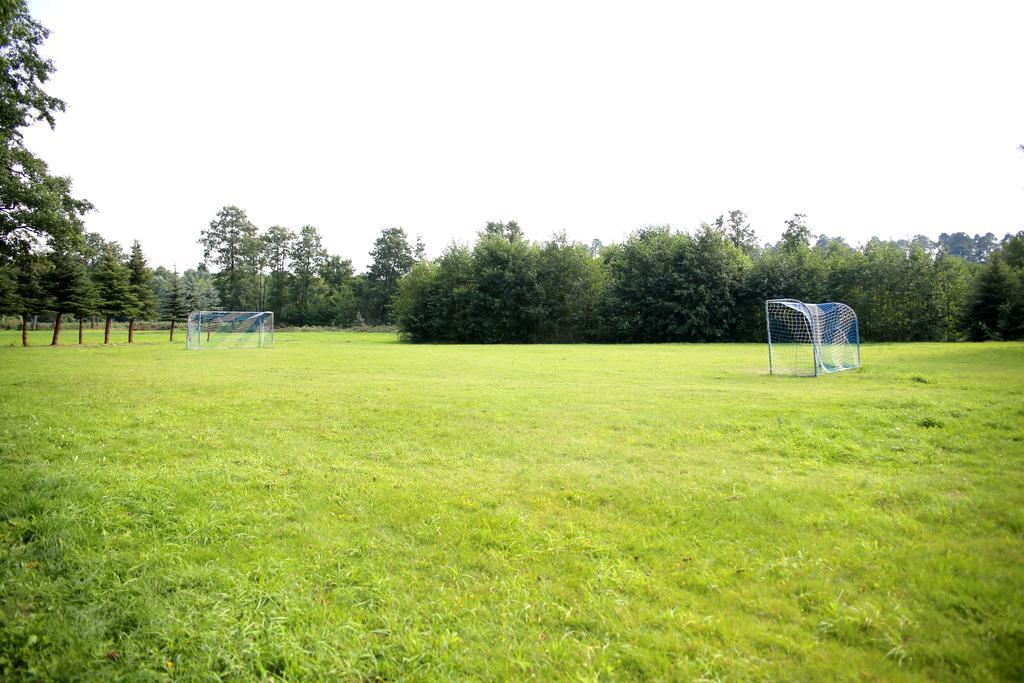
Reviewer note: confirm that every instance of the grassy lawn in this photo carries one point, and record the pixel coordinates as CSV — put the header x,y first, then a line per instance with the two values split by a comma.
x,y
347,507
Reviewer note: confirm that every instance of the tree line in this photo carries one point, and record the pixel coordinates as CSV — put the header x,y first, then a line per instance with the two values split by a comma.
x,y
290,272
659,285
662,285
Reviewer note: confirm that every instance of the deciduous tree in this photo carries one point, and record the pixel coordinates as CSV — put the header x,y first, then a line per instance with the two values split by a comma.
x,y
392,258
231,242
36,206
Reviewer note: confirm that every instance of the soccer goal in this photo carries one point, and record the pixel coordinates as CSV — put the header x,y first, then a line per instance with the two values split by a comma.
x,y
230,330
811,339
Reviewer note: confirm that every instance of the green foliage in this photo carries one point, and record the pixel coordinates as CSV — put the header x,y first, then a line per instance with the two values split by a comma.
x,y
68,285
392,259
36,205
435,299
232,242
506,291
739,231
139,277
1012,248
307,257
277,246
976,249
9,304
571,286
997,303
797,235
416,512
175,306
115,296
338,306
200,292
662,285
30,284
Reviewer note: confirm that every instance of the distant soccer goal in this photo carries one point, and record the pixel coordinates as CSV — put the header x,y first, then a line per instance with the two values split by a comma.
x,y
811,339
230,330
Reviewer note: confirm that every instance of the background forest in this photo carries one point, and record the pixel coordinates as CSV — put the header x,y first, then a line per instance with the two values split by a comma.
x,y
659,285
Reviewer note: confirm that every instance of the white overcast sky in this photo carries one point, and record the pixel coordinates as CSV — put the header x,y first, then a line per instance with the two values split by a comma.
x,y
874,118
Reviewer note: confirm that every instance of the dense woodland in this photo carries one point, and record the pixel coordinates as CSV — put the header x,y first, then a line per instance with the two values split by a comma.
x,y
710,284
659,285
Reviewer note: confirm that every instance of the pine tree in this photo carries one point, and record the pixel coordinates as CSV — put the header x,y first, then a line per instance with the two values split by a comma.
x,y
69,289
114,295
994,307
29,292
139,276
176,305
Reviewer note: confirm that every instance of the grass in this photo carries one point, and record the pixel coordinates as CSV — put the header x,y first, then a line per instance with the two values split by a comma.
x,y
347,507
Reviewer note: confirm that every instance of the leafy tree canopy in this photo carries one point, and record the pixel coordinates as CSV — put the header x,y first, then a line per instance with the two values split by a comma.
x,y
34,205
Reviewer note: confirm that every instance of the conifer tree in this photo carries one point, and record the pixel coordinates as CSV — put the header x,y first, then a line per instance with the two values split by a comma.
x,y
139,276
114,295
176,304
29,293
994,310
69,289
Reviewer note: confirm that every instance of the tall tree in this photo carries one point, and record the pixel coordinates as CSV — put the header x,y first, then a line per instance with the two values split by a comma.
x,y
139,276
30,293
571,282
739,232
69,289
507,294
308,258
277,246
35,205
339,302
175,304
392,258
796,235
996,307
115,296
231,242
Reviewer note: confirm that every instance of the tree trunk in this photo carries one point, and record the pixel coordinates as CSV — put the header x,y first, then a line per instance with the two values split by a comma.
x,y
56,329
106,332
24,330
35,321
172,329
92,323
131,330
81,324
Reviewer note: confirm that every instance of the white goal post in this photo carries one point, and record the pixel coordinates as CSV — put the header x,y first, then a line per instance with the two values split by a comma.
x,y
811,339
230,330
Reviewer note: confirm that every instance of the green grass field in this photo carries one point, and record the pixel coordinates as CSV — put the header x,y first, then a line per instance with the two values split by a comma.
x,y
348,507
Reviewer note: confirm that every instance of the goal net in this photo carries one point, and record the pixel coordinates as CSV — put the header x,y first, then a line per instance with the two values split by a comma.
x,y
811,339
230,330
